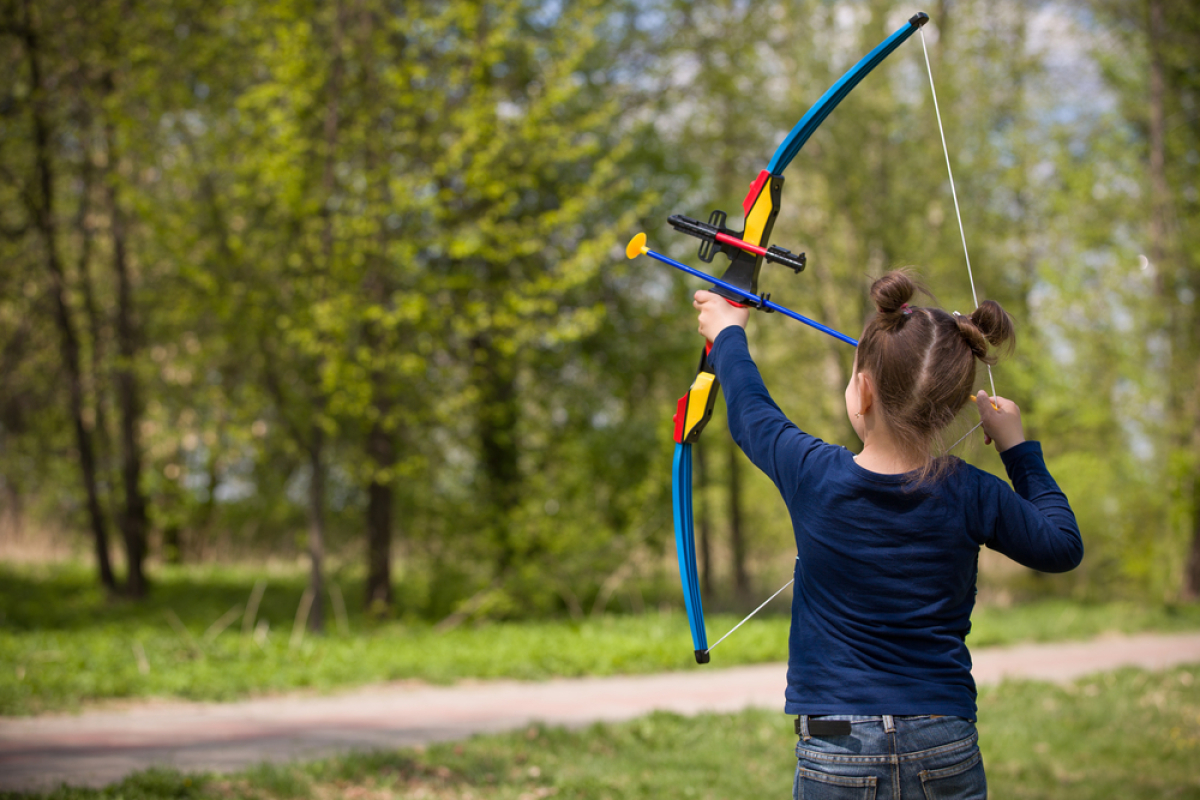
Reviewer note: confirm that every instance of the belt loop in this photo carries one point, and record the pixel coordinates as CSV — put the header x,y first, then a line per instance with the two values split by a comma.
x,y
802,727
889,724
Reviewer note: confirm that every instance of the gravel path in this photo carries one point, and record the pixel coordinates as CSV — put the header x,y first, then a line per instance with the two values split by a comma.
x,y
100,747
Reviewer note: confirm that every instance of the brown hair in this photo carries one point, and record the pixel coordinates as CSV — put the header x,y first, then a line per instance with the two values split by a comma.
x,y
922,361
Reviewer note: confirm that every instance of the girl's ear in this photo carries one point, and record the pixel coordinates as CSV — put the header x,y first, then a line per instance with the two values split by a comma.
x,y
866,392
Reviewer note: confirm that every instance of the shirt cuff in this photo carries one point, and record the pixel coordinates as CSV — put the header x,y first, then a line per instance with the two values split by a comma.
x,y
1014,454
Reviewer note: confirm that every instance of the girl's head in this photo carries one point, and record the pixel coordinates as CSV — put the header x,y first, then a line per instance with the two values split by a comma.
x,y
921,362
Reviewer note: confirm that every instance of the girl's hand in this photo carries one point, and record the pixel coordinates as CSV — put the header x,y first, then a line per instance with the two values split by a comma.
x,y
1001,420
717,314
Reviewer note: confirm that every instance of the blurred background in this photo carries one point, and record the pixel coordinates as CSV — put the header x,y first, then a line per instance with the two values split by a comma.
x,y
340,286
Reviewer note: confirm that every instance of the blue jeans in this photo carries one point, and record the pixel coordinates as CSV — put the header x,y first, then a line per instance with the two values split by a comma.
x,y
891,758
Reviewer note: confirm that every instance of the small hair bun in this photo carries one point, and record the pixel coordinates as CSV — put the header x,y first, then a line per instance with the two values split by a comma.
x,y
987,325
892,292
995,323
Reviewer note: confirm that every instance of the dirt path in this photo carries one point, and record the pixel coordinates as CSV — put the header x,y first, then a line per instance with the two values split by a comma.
x,y
100,747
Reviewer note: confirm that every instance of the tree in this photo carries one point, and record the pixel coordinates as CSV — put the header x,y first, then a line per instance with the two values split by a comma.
x,y
1158,95
39,194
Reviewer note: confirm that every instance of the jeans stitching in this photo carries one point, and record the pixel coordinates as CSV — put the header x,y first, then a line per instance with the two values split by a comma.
x,y
812,755
927,776
951,771
851,782
868,782
961,744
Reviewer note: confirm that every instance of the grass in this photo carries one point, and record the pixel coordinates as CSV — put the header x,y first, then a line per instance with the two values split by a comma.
x,y
63,645
1126,734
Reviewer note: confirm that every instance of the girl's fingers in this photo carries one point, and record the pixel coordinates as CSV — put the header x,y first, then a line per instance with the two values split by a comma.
x,y
993,400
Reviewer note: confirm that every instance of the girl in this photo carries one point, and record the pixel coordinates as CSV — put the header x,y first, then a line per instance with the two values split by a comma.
x,y
888,540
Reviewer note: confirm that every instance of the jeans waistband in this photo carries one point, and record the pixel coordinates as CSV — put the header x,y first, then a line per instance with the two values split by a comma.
x,y
810,725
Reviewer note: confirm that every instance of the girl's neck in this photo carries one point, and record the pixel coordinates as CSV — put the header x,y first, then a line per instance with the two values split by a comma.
x,y
881,454
885,463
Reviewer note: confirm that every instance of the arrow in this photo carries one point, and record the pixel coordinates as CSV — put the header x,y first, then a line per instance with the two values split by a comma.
x,y
637,246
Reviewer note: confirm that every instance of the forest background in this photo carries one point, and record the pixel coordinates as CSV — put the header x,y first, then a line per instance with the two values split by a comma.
x,y
342,283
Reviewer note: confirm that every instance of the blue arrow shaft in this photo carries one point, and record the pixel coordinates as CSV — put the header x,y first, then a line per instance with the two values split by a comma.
x,y
752,297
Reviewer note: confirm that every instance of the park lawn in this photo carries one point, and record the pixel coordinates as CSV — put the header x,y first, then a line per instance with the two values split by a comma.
x,y
63,645
1126,734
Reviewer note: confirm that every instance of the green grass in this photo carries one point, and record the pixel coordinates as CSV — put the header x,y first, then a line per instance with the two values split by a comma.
x,y
64,645
1126,734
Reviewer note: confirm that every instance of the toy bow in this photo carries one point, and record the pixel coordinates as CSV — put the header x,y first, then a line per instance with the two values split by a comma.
x,y
746,250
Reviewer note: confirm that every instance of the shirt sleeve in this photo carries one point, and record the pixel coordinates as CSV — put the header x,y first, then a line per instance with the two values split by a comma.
x,y
1036,528
768,438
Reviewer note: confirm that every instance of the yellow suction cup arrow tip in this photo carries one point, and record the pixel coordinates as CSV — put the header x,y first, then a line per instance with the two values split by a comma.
x,y
637,246
975,399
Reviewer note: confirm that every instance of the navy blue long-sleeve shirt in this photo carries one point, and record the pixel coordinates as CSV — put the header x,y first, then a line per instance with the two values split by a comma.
x,y
885,579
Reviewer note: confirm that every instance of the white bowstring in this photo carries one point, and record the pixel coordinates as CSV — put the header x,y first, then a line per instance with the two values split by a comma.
x,y
752,613
964,436
953,193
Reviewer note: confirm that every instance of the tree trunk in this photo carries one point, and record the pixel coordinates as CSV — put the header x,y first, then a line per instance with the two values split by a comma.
x,y
382,438
204,520
1191,576
11,520
494,375
41,207
381,448
316,528
95,323
1191,570
134,520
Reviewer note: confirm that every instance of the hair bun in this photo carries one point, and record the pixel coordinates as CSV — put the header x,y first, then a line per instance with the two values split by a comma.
x,y
988,324
995,323
891,294
892,291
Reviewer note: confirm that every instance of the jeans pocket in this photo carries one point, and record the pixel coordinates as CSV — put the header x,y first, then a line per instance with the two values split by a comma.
x,y
813,785
962,781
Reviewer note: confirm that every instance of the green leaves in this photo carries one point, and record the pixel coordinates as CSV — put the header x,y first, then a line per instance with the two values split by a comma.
x,y
400,224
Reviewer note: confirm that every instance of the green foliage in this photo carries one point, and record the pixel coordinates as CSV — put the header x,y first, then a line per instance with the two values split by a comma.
x,y
1038,741
384,238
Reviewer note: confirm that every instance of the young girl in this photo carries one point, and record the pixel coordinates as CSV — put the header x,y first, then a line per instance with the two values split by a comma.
x,y
888,541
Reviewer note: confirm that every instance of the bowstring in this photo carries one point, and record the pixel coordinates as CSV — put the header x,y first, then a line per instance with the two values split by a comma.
x,y
962,438
752,613
954,193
